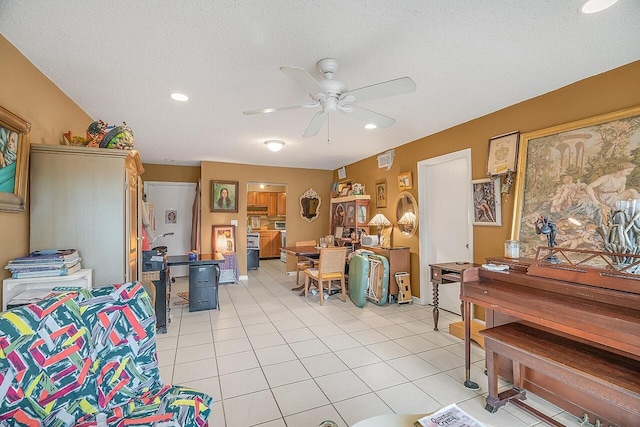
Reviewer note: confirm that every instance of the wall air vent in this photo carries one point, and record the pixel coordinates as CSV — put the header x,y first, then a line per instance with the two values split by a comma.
x,y
385,160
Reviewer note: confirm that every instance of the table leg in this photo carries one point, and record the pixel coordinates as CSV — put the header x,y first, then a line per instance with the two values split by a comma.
x,y
436,312
467,348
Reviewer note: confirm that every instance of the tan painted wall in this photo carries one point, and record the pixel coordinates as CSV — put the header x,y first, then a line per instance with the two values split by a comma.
x,y
615,90
25,91
297,180
170,173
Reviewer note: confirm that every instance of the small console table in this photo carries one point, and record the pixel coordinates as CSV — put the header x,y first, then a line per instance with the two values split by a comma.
x,y
204,278
449,272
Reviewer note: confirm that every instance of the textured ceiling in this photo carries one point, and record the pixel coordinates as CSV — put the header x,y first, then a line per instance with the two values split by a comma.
x,y
120,59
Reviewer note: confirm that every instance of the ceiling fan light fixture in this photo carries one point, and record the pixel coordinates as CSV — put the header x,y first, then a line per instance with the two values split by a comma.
x,y
370,126
274,145
595,6
176,96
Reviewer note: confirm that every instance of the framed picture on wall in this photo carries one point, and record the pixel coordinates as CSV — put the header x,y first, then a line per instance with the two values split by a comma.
x,y
381,194
224,196
14,153
503,153
405,181
223,239
487,209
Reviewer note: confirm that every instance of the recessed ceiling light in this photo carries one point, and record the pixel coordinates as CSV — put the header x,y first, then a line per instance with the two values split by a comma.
x,y
370,126
179,97
594,6
262,186
274,144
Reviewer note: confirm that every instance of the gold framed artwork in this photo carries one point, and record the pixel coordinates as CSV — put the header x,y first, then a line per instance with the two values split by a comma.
x,y
224,196
223,238
576,174
381,194
503,153
14,155
405,182
487,209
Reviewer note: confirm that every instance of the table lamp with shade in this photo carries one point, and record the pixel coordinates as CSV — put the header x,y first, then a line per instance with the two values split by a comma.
x,y
379,220
407,223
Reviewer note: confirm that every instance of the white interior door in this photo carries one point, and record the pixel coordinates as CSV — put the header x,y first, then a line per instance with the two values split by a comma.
x,y
172,204
445,221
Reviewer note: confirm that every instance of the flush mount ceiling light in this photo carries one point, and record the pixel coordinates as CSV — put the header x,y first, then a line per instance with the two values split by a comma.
x,y
179,97
594,6
370,126
274,145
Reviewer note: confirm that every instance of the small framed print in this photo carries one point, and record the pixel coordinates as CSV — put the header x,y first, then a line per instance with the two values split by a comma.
x,y
487,209
255,222
381,194
405,182
503,154
223,238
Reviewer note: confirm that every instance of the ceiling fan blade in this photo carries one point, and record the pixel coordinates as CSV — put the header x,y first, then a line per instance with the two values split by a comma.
x,y
316,124
304,79
379,90
274,109
368,116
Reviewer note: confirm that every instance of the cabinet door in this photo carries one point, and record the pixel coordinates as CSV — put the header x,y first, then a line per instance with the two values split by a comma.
x,y
282,204
362,212
350,215
265,245
272,204
262,198
251,198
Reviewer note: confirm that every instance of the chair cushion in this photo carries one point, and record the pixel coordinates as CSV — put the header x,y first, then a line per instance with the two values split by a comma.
x,y
45,362
123,333
169,405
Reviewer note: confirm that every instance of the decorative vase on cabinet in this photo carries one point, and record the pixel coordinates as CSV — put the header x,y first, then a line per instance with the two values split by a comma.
x,y
87,199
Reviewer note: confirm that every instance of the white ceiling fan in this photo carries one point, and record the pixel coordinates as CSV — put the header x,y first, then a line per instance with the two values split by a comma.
x,y
332,95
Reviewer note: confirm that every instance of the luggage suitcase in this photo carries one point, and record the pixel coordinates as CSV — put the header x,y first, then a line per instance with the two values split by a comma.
x,y
358,278
378,280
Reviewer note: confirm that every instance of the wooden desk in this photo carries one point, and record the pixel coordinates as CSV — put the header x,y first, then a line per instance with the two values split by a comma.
x,y
448,272
399,260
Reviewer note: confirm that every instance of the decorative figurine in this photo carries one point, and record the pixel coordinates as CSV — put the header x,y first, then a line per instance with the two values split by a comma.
x,y
547,226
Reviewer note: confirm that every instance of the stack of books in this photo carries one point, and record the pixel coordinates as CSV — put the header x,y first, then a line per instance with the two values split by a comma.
x,y
54,262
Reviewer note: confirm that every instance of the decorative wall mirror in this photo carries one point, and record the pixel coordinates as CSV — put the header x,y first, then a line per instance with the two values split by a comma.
x,y
406,214
310,205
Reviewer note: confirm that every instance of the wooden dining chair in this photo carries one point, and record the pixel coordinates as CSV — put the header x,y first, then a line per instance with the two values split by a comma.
x,y
303,263
330,267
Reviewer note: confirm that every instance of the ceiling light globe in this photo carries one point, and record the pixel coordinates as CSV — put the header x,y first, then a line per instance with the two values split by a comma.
x,y
595,6
274,145
370,126
179,97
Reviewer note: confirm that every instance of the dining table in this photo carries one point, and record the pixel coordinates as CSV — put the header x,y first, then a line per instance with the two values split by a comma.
x,y
310,252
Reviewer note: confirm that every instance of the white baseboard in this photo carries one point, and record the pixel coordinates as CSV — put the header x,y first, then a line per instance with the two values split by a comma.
x,y
246,277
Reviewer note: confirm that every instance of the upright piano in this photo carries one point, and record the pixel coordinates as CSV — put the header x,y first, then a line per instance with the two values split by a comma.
x,y
596,307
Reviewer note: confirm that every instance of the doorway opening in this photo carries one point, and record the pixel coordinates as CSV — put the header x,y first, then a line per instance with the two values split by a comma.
x,y
266,221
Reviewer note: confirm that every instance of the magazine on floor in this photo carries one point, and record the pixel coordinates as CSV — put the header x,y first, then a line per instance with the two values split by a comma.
x,y
449,416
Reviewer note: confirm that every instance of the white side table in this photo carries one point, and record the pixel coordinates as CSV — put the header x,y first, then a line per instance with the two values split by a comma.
x,y
12,287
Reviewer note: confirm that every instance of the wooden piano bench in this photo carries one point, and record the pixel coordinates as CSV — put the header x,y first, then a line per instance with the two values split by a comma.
x,y
609,383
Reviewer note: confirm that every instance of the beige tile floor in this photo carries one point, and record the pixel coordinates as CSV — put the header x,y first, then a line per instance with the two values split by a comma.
x,y
272,358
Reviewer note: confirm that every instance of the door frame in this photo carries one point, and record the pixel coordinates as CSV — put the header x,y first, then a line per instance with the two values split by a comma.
x,y
425,253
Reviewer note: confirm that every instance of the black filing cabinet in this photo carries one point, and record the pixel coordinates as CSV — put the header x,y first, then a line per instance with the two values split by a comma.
x,y
203,287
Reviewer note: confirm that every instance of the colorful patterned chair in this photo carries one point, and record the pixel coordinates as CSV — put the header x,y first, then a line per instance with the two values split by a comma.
x,y
65,359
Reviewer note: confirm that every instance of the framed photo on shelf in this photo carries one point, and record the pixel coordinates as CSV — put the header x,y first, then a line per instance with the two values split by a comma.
x,y
223,239
224,196
14,154
405,182
503,153
255,222
381,194
487,209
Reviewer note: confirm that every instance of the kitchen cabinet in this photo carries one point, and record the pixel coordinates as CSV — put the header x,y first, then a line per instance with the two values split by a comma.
x,y
282,204
251,198
269,244
262,198
272,204
87,199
